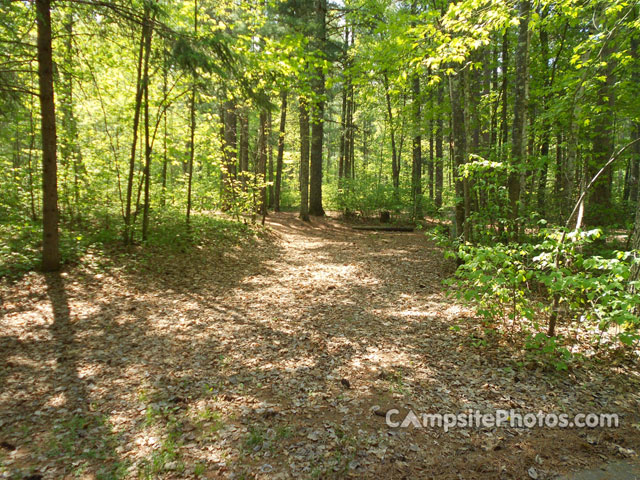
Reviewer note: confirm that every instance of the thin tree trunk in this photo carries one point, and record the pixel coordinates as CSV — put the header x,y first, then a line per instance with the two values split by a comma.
x,y
50,241
147,143
280,158
431,157
504,124
192,123
304,159
143,61
457,98
244,148
317,127
230,148
634,173
518,144
395,164
270,161
165,153
262,164
439,152
32,141
416,164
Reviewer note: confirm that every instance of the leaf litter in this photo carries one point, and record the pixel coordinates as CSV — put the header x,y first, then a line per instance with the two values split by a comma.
x,y
279,358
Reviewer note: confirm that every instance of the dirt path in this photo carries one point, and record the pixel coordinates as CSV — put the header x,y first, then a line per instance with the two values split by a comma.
x,y
269,361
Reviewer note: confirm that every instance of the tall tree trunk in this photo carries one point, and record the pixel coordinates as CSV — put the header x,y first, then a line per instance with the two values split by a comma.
x,y
518,144
416,164
262,164
143,62
32,141
147,140
634,174
50,242
280,158
192,122
352,134
431,156
304,159
317,127
439,167
504,123
395,163
546,134
230,126
343,112
165,152
459,137
244,148
343,120
270,160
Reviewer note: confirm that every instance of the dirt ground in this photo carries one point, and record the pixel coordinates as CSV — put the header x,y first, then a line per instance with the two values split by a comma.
x,y
278,359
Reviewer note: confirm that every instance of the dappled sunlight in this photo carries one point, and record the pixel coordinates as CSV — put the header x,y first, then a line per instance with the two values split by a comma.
x,y
281,363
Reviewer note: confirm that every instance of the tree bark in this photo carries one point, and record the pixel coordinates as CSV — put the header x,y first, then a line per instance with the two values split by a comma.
x,y
244,148
230,125
262,164
270,160
504,123
50,240
457,98
192,122
317,127
147,140
143,61
416,164
518,143
280,157
439,167
304,159
395,164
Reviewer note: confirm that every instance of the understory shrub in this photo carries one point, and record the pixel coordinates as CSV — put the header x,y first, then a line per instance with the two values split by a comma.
x,y
514,287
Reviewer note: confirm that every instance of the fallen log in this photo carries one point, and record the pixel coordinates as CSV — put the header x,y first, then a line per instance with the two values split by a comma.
x,y
385,228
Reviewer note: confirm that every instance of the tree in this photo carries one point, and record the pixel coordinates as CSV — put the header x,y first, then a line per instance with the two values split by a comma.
x,y
50,240
192,123
144,54
458,122
280,157
317,124
518,143
304,159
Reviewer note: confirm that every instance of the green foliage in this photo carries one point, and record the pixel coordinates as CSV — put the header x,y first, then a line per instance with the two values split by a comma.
x,y
514,287
366,197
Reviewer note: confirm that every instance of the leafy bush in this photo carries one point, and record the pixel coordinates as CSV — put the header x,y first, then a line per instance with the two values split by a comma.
x,y
515,285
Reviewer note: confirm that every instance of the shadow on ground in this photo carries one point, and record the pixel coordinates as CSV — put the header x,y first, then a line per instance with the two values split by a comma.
x,y
268,360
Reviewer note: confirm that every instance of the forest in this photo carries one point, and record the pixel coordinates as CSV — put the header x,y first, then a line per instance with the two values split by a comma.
x,y
237,237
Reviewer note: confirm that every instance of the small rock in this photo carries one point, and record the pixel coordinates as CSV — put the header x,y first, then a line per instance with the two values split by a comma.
x,y
533,473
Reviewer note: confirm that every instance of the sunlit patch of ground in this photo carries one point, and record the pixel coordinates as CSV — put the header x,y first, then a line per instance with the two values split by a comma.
x,y
278,359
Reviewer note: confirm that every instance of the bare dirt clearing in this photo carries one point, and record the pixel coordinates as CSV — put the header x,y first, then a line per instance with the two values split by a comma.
x,y
267,361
